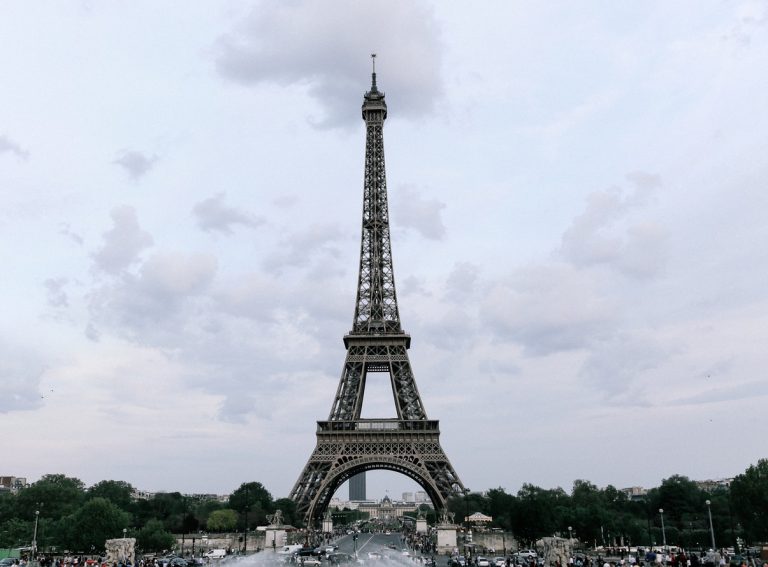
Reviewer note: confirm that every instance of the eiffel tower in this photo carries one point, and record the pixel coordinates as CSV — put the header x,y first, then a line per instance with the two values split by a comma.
x,y
347,444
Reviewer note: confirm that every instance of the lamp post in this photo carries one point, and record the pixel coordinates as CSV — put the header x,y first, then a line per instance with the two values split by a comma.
x,y
466,522
466,507
663,531
570,537
245,530
34,534
711,529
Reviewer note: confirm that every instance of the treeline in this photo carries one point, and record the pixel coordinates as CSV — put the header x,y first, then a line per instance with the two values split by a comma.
x,y
609,517
79,519
73,517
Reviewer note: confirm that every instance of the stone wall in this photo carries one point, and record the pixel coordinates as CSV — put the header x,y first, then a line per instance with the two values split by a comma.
x,y
219,541
498,541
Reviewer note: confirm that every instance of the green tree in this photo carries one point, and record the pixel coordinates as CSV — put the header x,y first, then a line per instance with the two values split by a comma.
x,y
587,512
222,520
8,505
679,496
95,522
749,499
55,495
204,509
539,512
116,491
153,537
500,506
15,532
169,507
255,500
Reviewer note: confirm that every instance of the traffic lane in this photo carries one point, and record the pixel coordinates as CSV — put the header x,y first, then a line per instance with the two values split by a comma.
x,y
371,542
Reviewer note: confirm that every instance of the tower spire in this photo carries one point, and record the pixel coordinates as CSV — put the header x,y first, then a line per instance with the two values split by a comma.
x,y
373,73
376,307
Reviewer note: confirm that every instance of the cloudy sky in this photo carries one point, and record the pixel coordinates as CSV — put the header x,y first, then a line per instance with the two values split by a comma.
x,y
579,221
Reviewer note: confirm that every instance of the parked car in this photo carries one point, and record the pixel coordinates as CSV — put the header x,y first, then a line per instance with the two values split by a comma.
x,y
165,560
482,561
178,562
6,561
500,561
341,559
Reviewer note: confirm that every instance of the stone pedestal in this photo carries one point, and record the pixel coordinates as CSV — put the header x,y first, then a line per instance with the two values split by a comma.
x,y
555,549
121,550
446,538
275,538
421,525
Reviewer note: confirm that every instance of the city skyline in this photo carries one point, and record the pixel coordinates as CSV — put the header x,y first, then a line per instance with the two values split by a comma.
x,y
577,212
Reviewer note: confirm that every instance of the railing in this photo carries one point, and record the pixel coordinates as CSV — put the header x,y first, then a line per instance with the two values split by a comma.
x,y
368,425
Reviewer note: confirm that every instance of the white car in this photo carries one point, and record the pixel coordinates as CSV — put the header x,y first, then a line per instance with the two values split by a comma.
x,y
482,562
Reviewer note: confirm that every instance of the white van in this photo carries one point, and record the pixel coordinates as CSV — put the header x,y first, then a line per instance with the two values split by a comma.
x,y
216,554
289,549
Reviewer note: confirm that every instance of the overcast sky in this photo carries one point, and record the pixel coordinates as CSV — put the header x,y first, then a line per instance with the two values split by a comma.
x,y
579,227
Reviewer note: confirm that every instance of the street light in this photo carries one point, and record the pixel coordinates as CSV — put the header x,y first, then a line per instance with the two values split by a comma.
x,y
711,529
663,532
125,531
570,536
34,535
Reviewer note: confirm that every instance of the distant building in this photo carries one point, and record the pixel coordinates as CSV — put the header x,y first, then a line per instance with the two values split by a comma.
x,y
146,495
209,497
712,485
12,484
635,492
385,509
408,497
357,487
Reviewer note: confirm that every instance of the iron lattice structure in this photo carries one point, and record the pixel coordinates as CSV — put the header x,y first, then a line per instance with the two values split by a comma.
x,y
346,443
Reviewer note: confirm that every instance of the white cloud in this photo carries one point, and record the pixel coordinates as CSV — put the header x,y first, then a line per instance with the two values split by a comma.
x,y
212,215
135,163
415,212
57,296
123,242
300,249
66,230
10,147
549,308
151,306
462,281
325,47
599,236
20,372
